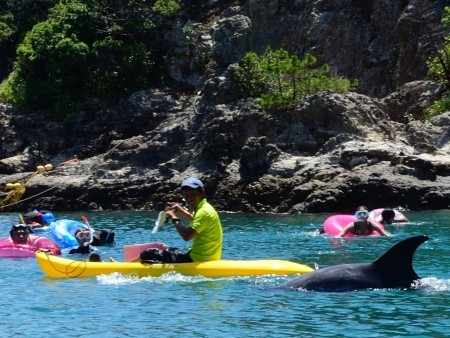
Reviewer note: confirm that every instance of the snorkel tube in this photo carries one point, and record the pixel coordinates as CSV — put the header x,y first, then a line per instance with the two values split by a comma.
x,y
91,231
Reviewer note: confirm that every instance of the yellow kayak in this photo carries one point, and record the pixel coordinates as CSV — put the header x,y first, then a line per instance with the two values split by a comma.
x,y
59,267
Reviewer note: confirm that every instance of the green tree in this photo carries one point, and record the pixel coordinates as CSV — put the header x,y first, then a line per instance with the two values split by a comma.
x,y
278,80
439,69
88,50
16,18
439,64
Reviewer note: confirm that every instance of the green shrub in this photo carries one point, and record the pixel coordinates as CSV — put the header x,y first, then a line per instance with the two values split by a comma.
x,y
278,80
439,70
166,7
438,107
17,17
87,51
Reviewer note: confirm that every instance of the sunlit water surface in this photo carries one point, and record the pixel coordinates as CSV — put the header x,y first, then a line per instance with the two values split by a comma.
x,y
178,306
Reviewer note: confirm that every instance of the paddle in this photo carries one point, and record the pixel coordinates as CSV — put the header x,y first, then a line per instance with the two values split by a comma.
x,y
162,218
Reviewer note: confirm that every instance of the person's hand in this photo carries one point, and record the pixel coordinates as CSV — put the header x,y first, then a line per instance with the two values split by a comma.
x,y
175,207
170,214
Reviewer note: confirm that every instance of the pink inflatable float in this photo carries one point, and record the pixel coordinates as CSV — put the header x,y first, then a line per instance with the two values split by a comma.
x,y
334,224
10,249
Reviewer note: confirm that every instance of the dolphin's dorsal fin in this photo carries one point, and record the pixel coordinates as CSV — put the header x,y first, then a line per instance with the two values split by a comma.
x,y
400,256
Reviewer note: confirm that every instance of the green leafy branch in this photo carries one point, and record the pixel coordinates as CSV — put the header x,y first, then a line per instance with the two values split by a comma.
x,y
278,80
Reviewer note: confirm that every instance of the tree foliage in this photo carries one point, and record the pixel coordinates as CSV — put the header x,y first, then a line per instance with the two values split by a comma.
x,y
87,50
278,80
439,70
439,64
16,18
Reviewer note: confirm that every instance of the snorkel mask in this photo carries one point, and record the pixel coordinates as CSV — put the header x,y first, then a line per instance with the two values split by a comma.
x,y
361,215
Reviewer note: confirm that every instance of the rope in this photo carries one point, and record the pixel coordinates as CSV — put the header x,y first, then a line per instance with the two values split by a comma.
x,y
14,197
69,268
28,198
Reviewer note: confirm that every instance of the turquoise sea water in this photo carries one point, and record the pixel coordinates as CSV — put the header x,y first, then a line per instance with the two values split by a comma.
x,y
179,306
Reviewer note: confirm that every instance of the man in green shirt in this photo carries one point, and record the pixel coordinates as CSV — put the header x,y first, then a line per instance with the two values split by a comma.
x,y
204,229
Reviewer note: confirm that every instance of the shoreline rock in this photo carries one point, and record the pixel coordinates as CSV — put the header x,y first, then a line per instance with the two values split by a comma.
x,y
329,155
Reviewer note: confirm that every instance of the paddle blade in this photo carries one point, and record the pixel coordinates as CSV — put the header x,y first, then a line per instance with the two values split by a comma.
x,y
162,218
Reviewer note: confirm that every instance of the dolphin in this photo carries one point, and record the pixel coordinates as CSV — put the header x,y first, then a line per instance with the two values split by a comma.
x,y
392,270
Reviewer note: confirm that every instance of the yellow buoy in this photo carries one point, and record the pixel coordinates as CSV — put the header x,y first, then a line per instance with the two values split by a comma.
x,y
17,185
40,168
10,185
48,167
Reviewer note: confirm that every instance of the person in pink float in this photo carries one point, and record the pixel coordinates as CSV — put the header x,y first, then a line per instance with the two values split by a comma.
x,y
19,233
362,225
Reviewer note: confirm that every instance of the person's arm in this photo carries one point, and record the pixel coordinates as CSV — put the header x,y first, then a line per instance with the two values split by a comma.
x,y
185,232
379,230
346,230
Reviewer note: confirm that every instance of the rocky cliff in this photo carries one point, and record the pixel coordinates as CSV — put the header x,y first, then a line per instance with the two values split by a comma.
x,y
330,154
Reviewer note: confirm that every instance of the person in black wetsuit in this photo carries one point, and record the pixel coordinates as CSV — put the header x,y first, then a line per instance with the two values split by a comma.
x,y
83,236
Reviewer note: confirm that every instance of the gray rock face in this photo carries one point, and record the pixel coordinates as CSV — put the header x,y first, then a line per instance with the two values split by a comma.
x,y
330,154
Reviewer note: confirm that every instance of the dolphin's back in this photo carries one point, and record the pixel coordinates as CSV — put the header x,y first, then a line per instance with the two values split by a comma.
x,y
398,260
343,277
392,270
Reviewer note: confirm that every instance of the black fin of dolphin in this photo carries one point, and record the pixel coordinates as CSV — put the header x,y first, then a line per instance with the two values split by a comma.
x,y
399,258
